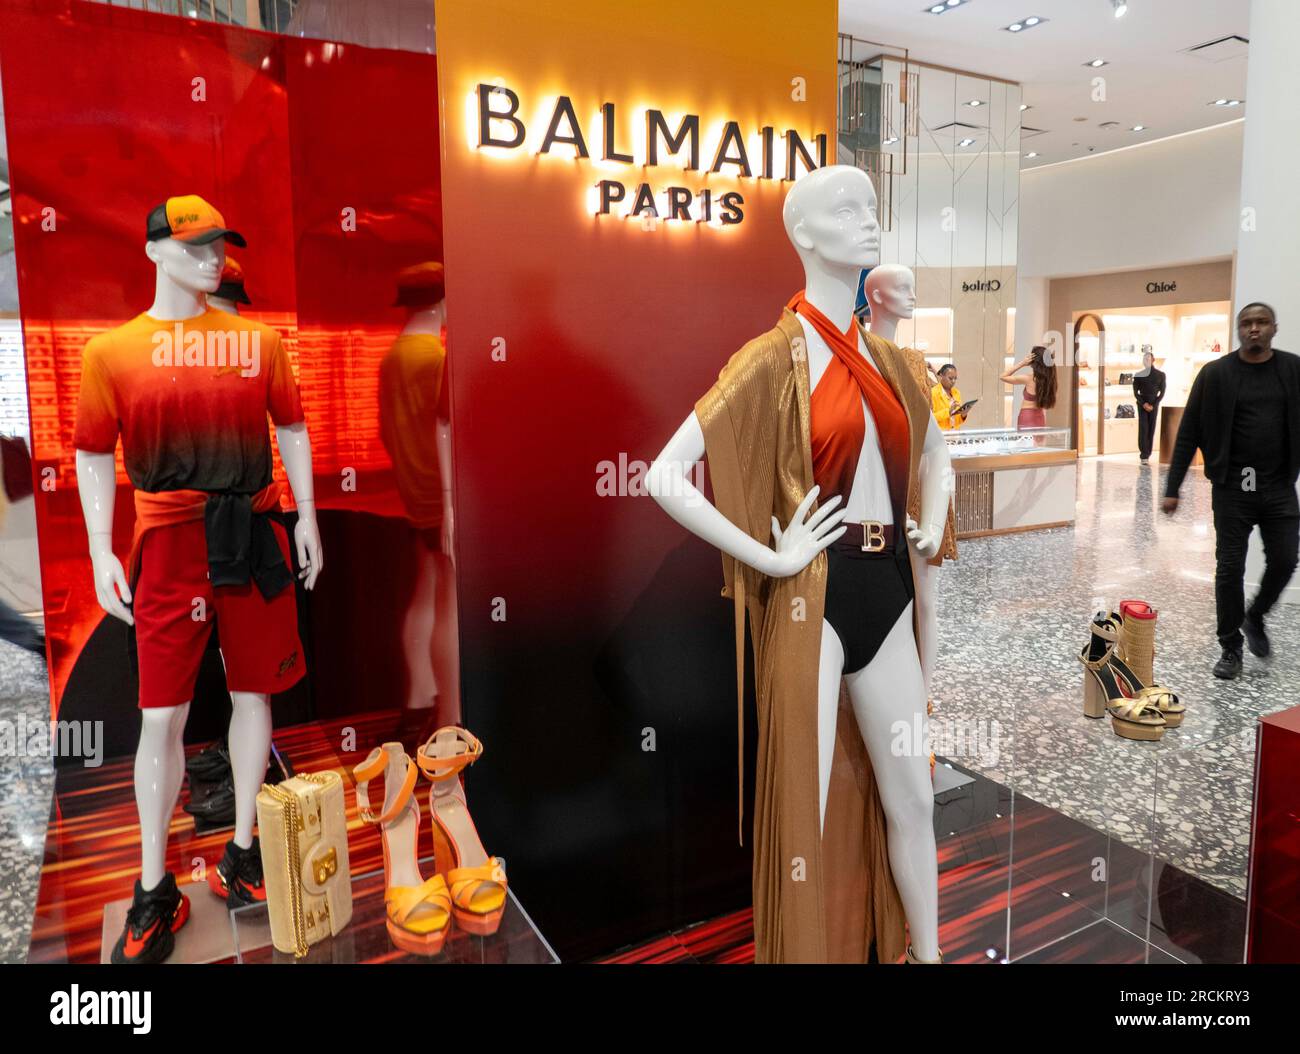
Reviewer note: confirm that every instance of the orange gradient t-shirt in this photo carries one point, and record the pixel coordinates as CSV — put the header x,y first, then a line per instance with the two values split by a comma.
x,y
189,400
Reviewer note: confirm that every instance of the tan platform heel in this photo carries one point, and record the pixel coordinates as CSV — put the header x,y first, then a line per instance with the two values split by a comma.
x,y
1109,687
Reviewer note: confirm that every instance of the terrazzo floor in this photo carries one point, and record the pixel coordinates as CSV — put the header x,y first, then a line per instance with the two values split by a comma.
x,y
26,784
1008,685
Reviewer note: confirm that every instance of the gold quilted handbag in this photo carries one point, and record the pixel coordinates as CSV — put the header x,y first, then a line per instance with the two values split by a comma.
x,y
304,839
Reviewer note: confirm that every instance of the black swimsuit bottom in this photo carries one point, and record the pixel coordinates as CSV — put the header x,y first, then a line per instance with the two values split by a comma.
x,y
865,594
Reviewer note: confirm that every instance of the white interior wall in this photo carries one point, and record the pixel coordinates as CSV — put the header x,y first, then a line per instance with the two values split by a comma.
x,y
1171,201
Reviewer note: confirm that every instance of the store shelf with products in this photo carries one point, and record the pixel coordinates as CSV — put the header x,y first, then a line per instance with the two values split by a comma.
x,y
1009,480
1181,338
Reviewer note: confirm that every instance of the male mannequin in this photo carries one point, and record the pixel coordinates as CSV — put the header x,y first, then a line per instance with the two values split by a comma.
x,y
416,431
231,292
830,217
193,429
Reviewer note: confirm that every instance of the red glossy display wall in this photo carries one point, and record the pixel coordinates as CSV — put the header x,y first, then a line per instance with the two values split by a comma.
x,y
326,157
1273,896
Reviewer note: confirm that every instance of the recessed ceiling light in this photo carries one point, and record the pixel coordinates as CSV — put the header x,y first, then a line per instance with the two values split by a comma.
x,y
1120,6
1225,102
1032,153
891,140
947,5
1033,20
976,102
1025,23
1095,63
1138,128
938,9
1024,106
966,142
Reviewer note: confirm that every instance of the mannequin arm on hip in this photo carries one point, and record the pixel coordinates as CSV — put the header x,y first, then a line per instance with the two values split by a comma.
x,y
295,453
796,546
97,485
936,494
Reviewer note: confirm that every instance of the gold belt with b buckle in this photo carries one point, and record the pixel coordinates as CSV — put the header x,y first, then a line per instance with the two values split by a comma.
x,y
868,536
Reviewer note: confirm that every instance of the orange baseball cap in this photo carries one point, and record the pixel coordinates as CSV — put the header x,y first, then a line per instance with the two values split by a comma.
x,y
422,285
232,282
189,219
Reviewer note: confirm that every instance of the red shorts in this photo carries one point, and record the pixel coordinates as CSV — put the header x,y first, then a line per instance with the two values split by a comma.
x,y
175,607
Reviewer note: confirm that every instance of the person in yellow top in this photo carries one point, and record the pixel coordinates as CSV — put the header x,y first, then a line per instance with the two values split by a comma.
x,y
945,398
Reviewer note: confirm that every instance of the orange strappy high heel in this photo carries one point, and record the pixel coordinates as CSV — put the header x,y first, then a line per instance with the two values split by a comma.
x,y
419,909
477,881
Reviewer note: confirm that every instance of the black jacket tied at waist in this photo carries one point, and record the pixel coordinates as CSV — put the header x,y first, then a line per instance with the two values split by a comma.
x,y
242,545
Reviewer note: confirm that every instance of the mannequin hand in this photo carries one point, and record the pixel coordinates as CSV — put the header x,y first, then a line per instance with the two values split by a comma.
x,y
800,542
925,540
306,538
1169,506
111,589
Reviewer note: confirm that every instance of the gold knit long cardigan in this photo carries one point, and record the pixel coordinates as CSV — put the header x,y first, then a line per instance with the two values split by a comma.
x,y
816,899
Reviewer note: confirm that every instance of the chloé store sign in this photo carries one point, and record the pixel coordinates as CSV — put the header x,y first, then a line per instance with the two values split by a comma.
x,y
500,125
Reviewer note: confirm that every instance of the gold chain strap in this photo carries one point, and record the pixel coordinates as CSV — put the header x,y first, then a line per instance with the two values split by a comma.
x,y
289,805
293,861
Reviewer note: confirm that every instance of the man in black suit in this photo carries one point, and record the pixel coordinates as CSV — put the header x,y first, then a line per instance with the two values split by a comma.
x,y
1244,415
1148,390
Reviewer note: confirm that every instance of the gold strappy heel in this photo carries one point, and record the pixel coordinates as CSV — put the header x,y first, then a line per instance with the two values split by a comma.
x,y
911,958
419,909
477,881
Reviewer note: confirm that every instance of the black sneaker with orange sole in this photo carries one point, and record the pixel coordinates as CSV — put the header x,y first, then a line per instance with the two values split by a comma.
x,y
151,923
237,879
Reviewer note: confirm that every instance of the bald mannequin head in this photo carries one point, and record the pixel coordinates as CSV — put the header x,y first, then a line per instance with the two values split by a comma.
x,y
830,218
890,289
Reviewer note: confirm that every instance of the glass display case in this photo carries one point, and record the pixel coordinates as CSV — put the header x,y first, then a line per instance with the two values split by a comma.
x,y
973,442
1012,480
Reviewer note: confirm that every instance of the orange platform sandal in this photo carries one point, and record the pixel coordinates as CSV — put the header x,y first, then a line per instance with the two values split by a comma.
x,y
419,909
477,881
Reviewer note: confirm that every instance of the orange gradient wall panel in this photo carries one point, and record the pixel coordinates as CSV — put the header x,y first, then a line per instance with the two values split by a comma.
x,y
579,342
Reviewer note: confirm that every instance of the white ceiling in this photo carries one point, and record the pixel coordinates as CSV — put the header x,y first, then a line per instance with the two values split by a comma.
x,y
1148,80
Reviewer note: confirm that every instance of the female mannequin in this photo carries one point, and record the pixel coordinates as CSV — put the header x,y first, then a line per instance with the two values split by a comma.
x,y
830,219
187,272
891,291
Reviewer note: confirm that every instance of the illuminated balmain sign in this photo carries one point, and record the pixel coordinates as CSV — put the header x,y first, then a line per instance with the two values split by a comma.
x,y
719,149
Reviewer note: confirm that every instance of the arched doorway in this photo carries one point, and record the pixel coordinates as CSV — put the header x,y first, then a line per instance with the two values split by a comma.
x,y
1089,388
